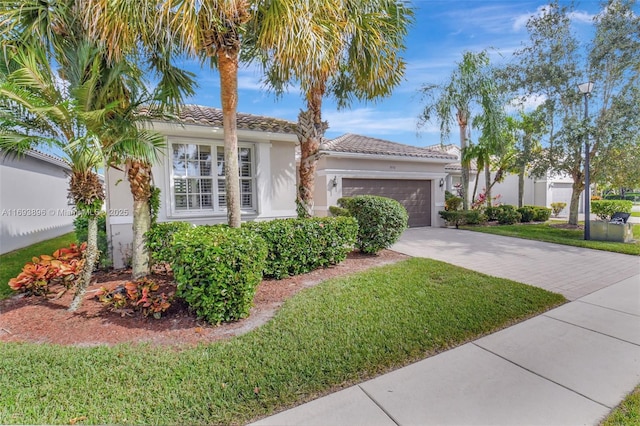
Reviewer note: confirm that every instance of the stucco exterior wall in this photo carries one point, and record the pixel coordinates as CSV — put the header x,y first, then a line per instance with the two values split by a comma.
x,y
274,178
33,202
332,169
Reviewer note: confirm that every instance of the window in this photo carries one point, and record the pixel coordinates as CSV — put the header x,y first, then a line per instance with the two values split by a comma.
x,y
198,177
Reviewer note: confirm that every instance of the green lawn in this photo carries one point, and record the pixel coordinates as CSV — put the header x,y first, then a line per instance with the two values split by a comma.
x,y
635,214
336,334
570,237
11,263
627,413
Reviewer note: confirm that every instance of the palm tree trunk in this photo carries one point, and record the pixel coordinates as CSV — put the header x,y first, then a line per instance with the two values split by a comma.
x,y
228,67
311,130
90,257
462,122
139,175
487,180
521,173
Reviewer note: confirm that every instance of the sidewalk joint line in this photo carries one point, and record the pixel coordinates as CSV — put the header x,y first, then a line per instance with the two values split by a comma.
x,y
393,419
543,377
606,307
589,329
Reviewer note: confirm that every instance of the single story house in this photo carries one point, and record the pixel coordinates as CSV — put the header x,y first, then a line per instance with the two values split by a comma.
x,y
33,200
191,178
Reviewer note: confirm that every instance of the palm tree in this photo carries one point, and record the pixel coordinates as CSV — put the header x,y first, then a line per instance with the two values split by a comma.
x,y
210,30
469,84
35,110
343,49
116,84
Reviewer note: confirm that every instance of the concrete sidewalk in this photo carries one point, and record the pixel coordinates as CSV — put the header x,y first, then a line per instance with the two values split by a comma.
x,y
569,366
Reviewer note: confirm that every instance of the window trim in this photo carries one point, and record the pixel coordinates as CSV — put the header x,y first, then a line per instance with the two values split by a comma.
x,y
215,211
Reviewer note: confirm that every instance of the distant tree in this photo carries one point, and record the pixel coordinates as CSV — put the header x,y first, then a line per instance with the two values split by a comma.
x,y
341,49
551,65
527,130
470,87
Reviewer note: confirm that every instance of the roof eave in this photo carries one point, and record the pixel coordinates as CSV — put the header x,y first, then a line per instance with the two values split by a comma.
x,y
387,157
198,129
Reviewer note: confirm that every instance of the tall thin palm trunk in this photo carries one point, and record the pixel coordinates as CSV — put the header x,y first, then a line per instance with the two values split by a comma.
x,y
228,66
90,258
139,175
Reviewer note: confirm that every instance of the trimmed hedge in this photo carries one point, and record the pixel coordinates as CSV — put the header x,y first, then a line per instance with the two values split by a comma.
x,y
159,240
541,214
296,246
526,213
604,209
381,221
217,270
492,213
463,217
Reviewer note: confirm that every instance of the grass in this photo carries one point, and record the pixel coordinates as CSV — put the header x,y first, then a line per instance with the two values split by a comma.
x,y
627,413
569,237
336,334
635,214
11,263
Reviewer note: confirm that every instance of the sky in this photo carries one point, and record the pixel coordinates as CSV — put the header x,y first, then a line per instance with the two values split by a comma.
x,y
442,31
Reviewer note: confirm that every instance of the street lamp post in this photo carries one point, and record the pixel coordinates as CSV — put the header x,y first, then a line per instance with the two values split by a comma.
x,y
585,89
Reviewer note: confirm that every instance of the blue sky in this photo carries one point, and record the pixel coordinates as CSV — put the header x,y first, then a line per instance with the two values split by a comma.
x,y
441,32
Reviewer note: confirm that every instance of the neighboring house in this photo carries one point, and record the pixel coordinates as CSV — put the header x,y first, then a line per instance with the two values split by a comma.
x,y
355,165
538,191
191,178
33,200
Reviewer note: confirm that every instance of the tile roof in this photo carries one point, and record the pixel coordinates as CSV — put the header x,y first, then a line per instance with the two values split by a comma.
x,y
209,116
358,144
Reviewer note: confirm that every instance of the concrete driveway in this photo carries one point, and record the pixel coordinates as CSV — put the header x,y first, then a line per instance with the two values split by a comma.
x,y
571,271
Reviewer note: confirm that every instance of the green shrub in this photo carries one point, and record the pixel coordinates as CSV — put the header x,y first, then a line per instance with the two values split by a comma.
x,y
339,211
604,209
474,217
557,208
81,226
296,246
491,213
541,214
159,240
217,270
508,215
463,217
452,203
381,221
526,213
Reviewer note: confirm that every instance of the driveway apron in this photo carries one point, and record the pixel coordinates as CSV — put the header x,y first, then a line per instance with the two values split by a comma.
x,y
571,271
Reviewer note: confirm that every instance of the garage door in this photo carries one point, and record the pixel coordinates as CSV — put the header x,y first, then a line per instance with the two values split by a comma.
x,y
414,195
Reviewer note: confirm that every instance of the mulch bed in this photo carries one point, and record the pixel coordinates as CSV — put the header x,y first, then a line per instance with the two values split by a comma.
x,y
42,320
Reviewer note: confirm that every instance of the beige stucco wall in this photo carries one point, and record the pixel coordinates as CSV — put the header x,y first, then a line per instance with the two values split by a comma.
x,y
33,202
333,168
275,184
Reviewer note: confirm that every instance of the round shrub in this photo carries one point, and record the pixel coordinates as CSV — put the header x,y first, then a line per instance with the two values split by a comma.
x,y
296,246
159,240
217,270
508,215
491,213
381,221
541,214
527,213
